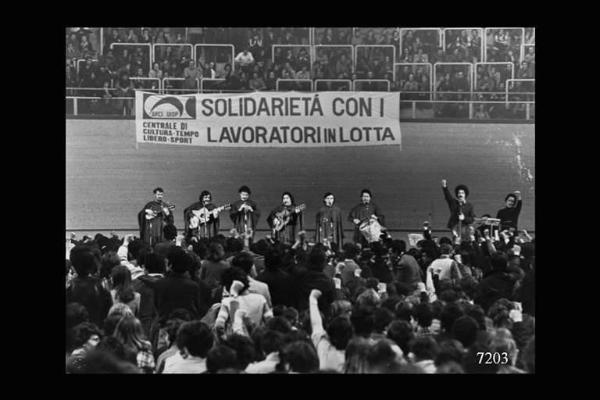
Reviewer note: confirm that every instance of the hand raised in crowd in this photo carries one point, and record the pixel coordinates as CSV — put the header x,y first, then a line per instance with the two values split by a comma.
x,y
356,221
518,194
315,293
236,288
444,183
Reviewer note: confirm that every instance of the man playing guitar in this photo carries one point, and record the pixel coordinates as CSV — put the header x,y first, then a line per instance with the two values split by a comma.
x,y
202,218
154,217
244,214
286,219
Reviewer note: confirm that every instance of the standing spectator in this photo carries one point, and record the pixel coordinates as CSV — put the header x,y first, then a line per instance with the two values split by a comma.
x,y
122,291
129,332
154,267
279,282
330,344
194,340
235,281
178,290
244,60
86,289
255,45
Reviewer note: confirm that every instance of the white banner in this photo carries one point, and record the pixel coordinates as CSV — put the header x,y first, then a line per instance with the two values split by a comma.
x,y
269,119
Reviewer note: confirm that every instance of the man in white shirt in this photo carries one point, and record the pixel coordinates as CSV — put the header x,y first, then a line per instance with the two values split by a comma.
x,y
194,340
330,345
444,267
245,59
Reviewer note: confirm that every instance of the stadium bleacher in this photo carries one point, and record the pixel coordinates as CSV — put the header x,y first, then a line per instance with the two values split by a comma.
x,y
485,59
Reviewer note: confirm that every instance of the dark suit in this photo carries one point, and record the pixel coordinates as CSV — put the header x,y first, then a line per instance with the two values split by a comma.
x,y
179,291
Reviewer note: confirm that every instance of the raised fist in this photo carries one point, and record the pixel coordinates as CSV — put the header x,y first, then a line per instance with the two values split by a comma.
x,y
444,183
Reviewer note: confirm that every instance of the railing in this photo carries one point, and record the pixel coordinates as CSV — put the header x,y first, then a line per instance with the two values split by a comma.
x,y
294,80
317,81
409,109
370,80
202,90
167,45
164,88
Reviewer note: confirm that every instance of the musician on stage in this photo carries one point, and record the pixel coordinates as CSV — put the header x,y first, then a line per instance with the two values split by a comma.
x,y
200,219
509,215
154,217
245,213
363,212
462,213
286,220
329,223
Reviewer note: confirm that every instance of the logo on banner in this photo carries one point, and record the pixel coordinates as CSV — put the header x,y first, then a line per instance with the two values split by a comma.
x,y
169,107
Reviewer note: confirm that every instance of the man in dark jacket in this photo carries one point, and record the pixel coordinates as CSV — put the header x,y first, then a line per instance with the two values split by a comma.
x,y
154,268
314,278
509,215
87,289
280,283
498,284
462,213
178,290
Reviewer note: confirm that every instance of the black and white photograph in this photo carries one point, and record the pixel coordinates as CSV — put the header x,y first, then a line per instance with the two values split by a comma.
x,y
300,200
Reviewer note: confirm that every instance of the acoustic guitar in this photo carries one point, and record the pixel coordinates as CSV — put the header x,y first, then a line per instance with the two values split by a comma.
x,y
283,217
152,213
203,215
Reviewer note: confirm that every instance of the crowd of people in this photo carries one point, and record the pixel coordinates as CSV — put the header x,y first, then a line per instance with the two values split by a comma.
x,y
127,66
226,304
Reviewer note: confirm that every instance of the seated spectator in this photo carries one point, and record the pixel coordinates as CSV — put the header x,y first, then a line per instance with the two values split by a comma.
x,y
155,72
194,340
172,327
257,83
